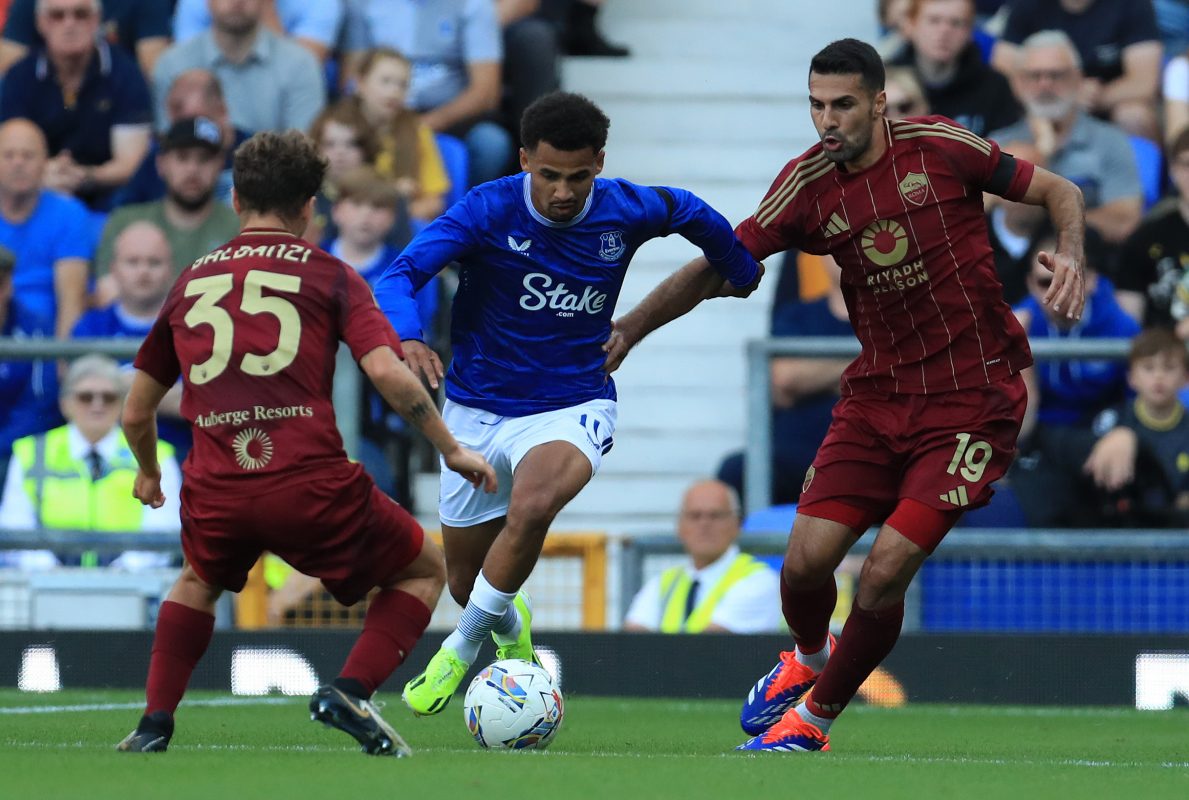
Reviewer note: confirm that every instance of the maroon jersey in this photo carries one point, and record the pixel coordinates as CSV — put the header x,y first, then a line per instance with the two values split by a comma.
x,y
253,329
910,235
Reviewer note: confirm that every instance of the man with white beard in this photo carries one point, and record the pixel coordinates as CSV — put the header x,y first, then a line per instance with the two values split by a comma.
x,y
1093,154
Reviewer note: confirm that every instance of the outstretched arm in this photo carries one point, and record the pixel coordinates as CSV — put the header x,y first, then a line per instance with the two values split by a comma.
x,y
1067,210
404,392
140,429
675,296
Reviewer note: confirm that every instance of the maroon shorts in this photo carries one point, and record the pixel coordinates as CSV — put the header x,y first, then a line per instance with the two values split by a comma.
x,y
352,536
943,450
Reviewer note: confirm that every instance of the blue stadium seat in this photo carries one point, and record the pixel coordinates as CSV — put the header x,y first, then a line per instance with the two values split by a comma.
x,y
774,519
454,156
1150,163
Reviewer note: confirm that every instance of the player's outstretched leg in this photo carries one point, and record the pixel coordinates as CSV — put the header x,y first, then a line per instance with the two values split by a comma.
x,y
396,618
517,640
185,623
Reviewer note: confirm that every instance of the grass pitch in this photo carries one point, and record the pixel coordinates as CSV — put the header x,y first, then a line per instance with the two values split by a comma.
x,y
61,746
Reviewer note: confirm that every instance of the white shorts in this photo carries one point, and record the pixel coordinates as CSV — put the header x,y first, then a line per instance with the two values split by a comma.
x,y
504,441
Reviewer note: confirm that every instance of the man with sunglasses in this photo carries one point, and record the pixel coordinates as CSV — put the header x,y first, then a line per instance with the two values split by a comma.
x,y
79,476
931,408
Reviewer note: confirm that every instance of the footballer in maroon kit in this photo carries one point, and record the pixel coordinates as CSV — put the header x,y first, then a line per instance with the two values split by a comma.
x,y
931,408
252,329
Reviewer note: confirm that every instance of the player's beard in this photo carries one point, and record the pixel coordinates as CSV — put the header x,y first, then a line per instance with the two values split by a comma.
x,y
852,148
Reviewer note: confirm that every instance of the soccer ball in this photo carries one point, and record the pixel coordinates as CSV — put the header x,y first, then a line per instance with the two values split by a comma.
x,y
513,705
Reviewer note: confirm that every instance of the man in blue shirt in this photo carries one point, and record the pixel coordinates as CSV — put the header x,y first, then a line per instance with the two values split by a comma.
x,y
543,258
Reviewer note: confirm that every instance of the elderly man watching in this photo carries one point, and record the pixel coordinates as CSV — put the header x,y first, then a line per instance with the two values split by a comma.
x,y
718,589
80,476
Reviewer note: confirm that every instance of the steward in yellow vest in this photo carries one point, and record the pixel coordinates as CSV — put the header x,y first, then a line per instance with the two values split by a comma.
x,y
676,585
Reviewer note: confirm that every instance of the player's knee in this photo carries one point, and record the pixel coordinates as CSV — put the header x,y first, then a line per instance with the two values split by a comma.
x,y
803,575
882,581
529,519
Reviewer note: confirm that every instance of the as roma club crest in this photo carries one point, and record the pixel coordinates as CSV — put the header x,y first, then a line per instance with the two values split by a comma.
x,y
915,188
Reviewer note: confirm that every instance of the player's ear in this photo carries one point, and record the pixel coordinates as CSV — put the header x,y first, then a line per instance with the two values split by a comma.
x,y
881,102
599,161
235,200
523,160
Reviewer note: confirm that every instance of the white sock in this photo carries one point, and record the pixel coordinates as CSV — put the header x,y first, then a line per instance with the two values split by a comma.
x,y
804,713
815,661
487,606
506,630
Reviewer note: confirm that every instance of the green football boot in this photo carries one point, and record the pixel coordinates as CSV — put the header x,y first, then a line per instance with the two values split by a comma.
x,y
430,691
522,647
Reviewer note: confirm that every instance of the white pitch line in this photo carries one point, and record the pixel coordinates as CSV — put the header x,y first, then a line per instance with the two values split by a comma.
x,y
223,701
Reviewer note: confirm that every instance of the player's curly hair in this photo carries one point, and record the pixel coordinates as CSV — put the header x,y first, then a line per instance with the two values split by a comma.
x,y
566,120
851,57
277,173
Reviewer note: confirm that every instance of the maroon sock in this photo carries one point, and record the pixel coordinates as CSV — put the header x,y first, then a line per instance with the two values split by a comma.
x,y
866,640
183,634
395,621
808,611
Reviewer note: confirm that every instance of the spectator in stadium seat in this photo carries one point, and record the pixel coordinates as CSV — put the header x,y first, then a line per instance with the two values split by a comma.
x,y
189,161
194,93
1119,52
408,154
50,234
28,389
1011,227
141,272
458,52
139,27
347,142
1154,260
719,589
532,56
1064,395
958,85
79,476
804,391
269,82
1091,153
581,33
89,99
313,24
905,95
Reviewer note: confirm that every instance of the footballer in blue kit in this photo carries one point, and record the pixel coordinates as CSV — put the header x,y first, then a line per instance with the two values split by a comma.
x,y
543,256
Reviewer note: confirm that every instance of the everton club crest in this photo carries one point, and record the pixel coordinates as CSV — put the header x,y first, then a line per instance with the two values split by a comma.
x,y
611,245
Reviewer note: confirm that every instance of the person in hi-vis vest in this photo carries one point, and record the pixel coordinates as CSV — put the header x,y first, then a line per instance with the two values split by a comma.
x,y
80,476
718,589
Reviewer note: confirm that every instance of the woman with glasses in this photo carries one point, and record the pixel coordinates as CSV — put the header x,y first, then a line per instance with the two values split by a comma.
x,y
79,476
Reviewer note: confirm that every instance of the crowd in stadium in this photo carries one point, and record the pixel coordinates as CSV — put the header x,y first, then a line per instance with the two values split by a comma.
x,y
118,121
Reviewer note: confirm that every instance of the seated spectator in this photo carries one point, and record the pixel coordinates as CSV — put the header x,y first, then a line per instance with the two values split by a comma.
x,y
1155,259
532,56
958,85
1011,227
28,389
194,93
141,274
581,33
804,391
347,141
1176,98
313,25
456,86
49,234
719,589
893,26
270,82
1093,154
189,161
1064,395
408,155
904,93
1119,51
139,27
80,476
89,99
1140,461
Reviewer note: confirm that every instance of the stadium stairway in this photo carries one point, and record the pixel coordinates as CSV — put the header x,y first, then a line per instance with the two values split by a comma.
x,y
713,99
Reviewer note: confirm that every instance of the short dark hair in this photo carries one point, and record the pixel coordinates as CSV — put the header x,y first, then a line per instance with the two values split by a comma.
x,y
850,57
277,172
1155,342
566,120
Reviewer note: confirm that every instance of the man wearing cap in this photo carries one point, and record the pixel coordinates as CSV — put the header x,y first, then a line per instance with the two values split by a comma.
x,y
189,162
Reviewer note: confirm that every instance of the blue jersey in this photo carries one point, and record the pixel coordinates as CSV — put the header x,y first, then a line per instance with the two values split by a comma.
x,y
536,297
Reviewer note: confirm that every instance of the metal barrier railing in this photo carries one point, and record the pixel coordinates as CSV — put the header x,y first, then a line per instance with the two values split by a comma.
x,y
758,461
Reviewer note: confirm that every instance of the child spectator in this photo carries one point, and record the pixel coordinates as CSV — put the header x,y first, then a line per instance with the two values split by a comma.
x,y
408,154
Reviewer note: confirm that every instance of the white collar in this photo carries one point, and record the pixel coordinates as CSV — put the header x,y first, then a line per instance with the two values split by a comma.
x,y
80,447
541,218
713,572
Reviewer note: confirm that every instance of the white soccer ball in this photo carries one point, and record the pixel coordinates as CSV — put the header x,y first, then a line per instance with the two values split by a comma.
x,y
513,705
